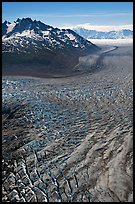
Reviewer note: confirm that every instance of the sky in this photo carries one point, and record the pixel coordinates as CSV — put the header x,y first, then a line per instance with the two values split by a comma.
x,y
90,15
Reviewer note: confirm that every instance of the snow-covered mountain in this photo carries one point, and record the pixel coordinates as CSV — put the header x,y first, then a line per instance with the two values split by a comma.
x,y
93,34
32,48
26,34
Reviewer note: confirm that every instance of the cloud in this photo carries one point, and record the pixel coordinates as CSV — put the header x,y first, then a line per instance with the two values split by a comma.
x,y
80,15
88,26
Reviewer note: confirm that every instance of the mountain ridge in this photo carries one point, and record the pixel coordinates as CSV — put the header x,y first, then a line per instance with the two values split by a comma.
x,y
114,34
27,43
36,30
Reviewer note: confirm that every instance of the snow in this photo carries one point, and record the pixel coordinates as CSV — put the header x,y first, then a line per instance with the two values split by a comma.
x,y
71,37
25,33
29,36
46,33
58,32
113,34
33,43
10,27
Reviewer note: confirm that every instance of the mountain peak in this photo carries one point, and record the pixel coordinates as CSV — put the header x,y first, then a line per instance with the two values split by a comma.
x,y
18,20
6,22
26,34
27,19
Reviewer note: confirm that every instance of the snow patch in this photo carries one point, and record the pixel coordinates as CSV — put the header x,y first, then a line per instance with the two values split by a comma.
x,y
76,45
25,33
10,27
70,36
46,33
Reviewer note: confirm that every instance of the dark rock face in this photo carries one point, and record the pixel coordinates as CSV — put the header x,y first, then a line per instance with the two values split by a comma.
x,y
4,28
